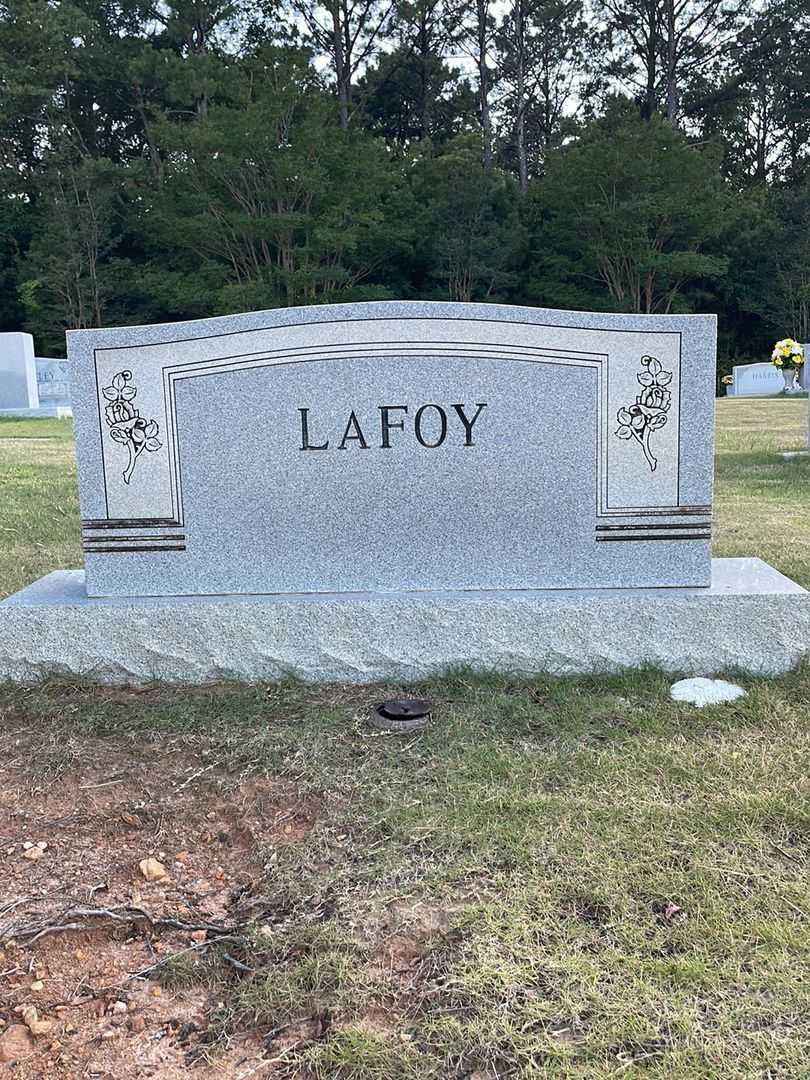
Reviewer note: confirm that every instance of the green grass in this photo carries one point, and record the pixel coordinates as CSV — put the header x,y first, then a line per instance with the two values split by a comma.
x,y
762,503
573,879
39,506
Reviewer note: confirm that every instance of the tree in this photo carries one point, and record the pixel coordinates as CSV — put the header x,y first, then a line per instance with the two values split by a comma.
x,y
771,270
550,72
196,29
411,92
469,229
670,43
754,98
349,33
408,97
634,206
272,193
67,281
474,33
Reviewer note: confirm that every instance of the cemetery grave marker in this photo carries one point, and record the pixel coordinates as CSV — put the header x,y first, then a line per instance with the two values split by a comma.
x,y
395,447
378,491
757,380
31,386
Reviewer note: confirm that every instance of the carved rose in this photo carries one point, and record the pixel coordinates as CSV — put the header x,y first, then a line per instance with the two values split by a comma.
x,y
126,424
649,411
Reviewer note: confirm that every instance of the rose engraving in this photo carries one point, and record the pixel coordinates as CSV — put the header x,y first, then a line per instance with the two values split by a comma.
x,y
126,424
649,411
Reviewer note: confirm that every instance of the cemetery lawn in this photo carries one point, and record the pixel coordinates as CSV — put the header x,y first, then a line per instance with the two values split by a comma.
x,y
559,878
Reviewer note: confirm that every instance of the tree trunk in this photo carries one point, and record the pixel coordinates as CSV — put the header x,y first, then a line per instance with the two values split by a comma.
x,y
199,46
424,79
483,82
520,94
672,80
650,103
341,75
154,154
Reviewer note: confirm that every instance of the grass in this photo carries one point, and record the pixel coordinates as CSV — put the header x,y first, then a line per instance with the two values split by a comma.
x,y
762,503
562,878
39,506
573,879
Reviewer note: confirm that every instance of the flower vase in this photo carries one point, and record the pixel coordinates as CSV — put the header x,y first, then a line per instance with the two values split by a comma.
x,y
789,375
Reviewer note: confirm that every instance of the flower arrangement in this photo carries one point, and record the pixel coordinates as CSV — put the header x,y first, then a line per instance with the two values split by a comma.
x,y
727,380
788,354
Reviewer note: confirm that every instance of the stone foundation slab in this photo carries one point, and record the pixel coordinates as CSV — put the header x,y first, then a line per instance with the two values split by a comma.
x,y
751,619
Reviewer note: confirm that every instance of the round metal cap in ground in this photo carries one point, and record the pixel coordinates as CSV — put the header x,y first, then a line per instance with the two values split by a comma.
x,y
401,714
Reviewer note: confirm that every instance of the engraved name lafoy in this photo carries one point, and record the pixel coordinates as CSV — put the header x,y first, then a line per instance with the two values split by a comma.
x,y
430,424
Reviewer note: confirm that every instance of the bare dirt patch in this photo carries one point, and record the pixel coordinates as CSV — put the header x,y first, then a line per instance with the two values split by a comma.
x,y
78,917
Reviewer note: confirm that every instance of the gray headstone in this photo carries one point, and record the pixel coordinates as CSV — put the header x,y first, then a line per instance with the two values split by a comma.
x,y
18,376
395,447
757,380
53,382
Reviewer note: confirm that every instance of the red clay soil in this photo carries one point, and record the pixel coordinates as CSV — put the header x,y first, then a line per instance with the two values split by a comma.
x,y
94,827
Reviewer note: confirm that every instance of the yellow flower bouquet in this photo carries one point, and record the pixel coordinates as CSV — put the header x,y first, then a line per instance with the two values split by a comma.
x,y
788,354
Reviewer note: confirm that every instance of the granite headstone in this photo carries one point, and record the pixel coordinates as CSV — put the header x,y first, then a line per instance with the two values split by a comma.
x,y
53,383
383,491
395,447
757,380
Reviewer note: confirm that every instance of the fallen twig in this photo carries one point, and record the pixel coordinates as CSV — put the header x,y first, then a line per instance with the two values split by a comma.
x,y
267,1062
237,964
77,916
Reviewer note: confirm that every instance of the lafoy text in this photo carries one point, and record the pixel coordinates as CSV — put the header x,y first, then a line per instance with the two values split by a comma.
x,y
430,424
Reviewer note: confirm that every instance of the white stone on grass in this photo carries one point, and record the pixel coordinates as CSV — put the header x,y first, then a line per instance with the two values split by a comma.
x,y
702,692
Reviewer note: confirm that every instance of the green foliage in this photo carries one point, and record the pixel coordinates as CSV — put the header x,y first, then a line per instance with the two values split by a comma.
x,y
71,258
408,97
272,192
632,205
469,229
179,161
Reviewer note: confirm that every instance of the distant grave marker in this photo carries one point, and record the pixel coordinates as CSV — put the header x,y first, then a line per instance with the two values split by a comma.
x,y
757,380
31,386
18,374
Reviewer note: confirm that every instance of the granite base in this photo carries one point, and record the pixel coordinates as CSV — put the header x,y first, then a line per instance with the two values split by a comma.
x,y
751,618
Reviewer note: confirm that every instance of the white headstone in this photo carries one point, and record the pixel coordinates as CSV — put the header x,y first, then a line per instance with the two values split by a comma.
x,y
18,373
